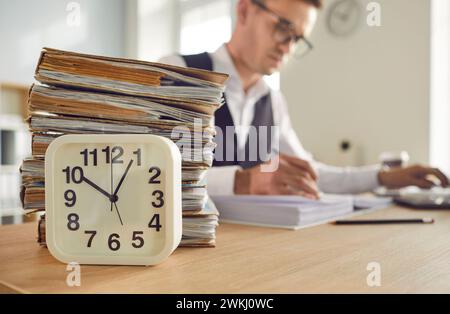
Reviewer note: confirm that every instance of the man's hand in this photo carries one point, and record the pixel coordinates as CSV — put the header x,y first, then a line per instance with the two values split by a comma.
x,y
423,177
293,176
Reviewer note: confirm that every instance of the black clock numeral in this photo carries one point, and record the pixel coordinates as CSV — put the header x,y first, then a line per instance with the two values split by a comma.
x,y
92,233
118,150
107,151
154,222
70,197
67,171
78,170
76,174
138,154
113,155
113,242
137,237
73,223
155,176
86,154
159,198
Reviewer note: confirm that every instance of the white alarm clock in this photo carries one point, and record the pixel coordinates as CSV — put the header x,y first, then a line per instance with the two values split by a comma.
x,y
113,199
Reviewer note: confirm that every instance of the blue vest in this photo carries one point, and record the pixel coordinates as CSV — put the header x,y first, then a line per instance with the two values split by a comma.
x,y
263,117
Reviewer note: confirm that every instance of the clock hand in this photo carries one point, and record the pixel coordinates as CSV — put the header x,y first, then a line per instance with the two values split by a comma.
x,y
348,10
342,15
111,190
120,218
95,186
123,178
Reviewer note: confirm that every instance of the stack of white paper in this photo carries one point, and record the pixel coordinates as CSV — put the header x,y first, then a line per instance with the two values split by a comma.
x,y
290,212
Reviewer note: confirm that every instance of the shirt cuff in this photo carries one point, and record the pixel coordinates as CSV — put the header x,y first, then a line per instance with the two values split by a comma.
x,y
348,180
220,180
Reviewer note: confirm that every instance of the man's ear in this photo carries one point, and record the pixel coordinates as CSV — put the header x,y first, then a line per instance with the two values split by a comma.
x,y
242,9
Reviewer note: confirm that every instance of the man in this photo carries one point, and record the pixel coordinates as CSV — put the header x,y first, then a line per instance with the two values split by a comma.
x,y
266,32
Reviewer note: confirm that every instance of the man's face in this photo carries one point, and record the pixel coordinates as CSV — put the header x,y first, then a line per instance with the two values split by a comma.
x,y
265,54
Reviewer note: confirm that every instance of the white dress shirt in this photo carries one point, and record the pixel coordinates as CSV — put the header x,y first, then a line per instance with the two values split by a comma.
x,y
220,180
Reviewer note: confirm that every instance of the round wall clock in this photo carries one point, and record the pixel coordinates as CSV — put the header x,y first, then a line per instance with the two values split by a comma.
x,y
343,17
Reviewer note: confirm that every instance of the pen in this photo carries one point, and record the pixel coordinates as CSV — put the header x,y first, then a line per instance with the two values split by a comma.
x,y
385,221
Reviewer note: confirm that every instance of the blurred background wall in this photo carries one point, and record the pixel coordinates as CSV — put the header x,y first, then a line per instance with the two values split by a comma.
x,y
27,26
380,88
371,87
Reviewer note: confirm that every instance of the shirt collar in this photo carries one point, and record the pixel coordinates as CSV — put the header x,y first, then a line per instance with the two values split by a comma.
x,y
223,63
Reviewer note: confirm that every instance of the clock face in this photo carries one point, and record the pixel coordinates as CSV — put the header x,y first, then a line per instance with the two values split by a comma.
x,y
343,17
112,199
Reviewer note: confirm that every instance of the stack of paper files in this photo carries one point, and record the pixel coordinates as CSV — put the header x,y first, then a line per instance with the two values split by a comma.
x,y
194,227
87,94
292,212
194,194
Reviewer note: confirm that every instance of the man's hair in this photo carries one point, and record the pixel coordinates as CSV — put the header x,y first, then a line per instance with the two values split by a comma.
x,y
317,3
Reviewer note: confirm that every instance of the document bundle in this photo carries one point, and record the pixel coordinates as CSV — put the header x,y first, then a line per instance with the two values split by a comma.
x,y
291,212
87,94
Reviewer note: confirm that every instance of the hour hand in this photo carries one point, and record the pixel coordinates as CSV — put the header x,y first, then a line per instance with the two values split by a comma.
x,y
95,186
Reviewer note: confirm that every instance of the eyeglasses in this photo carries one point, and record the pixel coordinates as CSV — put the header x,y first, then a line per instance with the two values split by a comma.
x,y
284,32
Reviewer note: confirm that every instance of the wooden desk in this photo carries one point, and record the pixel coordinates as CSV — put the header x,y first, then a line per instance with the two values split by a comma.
x,y
326,258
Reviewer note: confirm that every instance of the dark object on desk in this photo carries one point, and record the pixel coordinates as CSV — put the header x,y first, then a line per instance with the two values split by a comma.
x,y
385,221
424,200
18,219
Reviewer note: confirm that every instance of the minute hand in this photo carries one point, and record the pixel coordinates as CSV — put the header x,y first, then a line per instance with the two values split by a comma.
x,y
123,178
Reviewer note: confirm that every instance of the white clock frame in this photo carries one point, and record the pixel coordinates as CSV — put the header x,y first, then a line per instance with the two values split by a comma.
x,y
172,200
